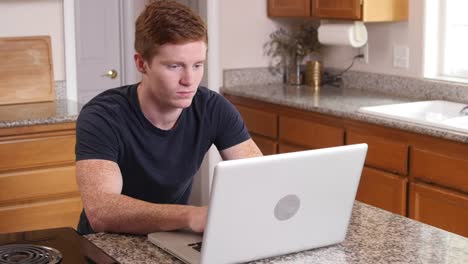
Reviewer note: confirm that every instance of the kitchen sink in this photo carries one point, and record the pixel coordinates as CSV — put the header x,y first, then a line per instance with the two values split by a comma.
x,y
438,113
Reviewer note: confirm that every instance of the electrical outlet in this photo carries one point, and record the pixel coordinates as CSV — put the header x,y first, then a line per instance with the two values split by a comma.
x,y
364,51
400,57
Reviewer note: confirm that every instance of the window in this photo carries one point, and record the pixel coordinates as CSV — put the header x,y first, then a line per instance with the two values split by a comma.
x,y
446,40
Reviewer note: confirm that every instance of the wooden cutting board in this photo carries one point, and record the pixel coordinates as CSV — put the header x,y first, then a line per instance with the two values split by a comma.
x,y
26,71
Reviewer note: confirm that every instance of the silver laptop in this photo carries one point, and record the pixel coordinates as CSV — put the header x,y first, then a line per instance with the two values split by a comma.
x,y
273,205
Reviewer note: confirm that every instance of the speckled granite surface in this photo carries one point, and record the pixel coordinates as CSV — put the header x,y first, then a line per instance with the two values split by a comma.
x,y
374,236
337,101
58,111
60,90
414,88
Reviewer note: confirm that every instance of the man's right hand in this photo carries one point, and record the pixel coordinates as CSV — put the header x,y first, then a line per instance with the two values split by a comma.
x,y
197,218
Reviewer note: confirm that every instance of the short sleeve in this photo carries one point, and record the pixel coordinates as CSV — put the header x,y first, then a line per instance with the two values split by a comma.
x,y
230,127
95,138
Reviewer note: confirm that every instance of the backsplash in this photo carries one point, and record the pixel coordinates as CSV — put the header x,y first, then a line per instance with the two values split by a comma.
x,y
250,76
414,88
419,89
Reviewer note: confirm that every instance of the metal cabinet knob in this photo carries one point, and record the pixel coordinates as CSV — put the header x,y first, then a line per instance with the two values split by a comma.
x,y
111,74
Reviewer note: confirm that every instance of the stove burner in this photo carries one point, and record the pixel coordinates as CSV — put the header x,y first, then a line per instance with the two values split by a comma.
x,y
28,254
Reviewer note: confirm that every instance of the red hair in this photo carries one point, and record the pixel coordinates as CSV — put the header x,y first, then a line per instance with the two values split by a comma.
x,y
165,22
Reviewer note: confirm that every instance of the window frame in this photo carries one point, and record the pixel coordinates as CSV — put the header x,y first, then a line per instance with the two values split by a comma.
x,y
435,42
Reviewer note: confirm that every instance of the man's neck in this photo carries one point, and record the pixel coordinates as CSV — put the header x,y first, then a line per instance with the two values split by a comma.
x,y
160,117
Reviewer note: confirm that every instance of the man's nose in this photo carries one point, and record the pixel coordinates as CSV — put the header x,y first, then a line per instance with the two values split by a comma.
x,y
187,77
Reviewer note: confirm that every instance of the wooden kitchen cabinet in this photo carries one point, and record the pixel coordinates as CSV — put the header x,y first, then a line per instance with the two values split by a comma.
x,y
261,121
383,153
310,133
337,9
267,146
383,182
356,10
281,129
439,207
288,8
448,169
286,148
37,178
407,173
384,190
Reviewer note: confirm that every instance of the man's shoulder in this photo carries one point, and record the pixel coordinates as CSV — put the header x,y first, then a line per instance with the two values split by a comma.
x,y
112,104
114,98
205,93
208,97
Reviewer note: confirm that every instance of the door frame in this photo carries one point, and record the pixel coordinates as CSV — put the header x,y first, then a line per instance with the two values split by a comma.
x,y
70,49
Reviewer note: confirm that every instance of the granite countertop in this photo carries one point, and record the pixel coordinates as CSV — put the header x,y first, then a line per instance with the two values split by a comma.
x,y
337,101
374,236
58,111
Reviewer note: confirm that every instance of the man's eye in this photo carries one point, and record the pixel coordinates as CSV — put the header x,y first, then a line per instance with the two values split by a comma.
x,y
197,66
173,66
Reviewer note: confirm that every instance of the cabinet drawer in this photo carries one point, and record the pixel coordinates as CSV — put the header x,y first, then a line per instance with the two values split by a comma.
x,y
442,169
41,215
267,146
439,207
285,148
36,184
26,153
259,122
383,190
382,153
309,134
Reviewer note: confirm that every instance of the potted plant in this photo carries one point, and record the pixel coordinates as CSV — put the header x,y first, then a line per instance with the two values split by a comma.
x,y
288,48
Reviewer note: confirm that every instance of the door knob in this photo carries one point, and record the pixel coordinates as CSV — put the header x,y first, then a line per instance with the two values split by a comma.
x,y
111,74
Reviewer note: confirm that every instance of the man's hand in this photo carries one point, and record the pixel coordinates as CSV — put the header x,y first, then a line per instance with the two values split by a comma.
x,y
197,218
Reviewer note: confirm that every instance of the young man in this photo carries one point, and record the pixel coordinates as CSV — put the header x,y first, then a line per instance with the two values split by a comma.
x,y
139,146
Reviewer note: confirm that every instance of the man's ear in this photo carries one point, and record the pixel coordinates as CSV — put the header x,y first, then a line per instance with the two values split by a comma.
x,y
140,63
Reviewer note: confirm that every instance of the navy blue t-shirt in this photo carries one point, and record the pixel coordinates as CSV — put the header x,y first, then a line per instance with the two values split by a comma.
x,y
157,165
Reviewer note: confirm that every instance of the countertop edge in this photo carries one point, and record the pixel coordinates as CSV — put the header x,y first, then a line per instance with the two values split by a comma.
x,y
355,115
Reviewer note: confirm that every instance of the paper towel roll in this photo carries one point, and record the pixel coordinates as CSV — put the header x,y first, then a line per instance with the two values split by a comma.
x,y
347,34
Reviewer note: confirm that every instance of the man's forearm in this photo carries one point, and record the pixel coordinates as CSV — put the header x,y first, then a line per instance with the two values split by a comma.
x,y
123,214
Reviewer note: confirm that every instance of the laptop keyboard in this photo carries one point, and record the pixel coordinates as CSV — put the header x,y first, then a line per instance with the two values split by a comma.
x,y
197,246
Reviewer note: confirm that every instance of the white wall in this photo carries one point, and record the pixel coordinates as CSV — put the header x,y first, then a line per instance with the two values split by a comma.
x,y
243,28
382,38
32,18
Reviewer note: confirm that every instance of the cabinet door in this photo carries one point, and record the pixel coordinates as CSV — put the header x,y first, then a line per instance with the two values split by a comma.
x,y
259,122
439,207
267,146
21,153
46,183
40,215
447,170
309,133
285,148
337,9
383,153
288,8
383,190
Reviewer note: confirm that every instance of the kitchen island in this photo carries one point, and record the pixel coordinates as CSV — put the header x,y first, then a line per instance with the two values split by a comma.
x,y
374,236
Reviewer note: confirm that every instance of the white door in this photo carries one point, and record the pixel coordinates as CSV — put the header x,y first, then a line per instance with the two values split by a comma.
x,y
98,47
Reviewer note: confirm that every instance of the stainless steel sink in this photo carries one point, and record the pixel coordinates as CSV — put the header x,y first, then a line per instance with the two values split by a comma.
x,y
441,114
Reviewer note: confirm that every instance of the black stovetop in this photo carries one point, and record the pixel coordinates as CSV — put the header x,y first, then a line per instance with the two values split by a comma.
x,y
72,247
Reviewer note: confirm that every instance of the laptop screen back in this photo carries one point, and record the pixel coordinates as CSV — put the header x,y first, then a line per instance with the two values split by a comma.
x,y
274,205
